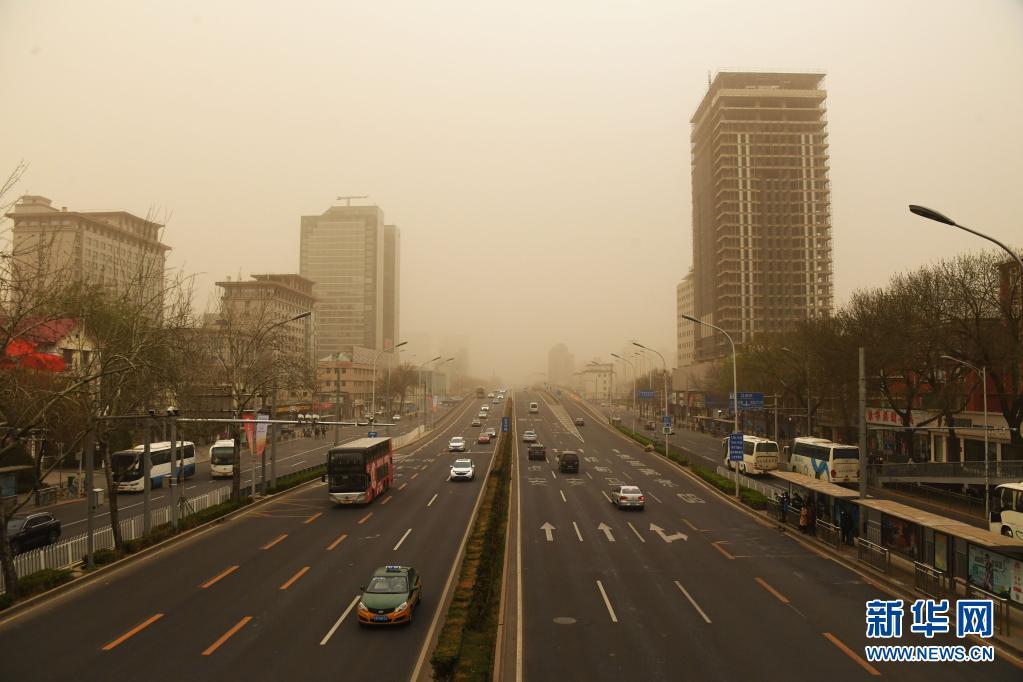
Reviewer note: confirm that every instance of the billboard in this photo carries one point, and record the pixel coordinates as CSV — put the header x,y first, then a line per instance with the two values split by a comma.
x,y
996,573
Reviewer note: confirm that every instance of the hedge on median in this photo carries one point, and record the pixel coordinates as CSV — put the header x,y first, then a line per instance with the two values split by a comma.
x,y
749,497
37,583
674,455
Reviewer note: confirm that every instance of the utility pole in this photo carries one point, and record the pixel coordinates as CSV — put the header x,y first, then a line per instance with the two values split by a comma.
x,y
174,472
90,510
273,438
147,486
863,425
337,406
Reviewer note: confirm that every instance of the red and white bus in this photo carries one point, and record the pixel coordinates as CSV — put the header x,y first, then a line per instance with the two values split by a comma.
x,y
360,470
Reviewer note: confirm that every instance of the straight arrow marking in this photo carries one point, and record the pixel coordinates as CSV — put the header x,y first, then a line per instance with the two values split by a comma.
x,y
548,528
607,531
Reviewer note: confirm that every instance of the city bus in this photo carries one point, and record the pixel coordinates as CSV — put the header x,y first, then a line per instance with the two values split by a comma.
x,y
759,455
360,470
127,465
1007,511
222,459
825,460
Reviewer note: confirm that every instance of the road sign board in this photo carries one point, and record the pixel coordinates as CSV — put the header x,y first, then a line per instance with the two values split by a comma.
x,y
748,400
372,434
645,394
505,424
667,430
667,420
735,447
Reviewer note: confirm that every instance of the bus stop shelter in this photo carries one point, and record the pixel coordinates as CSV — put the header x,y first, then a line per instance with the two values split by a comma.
x,y
946,556
827,499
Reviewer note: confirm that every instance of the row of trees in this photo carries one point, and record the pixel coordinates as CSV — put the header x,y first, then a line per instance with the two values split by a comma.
x,y
967,308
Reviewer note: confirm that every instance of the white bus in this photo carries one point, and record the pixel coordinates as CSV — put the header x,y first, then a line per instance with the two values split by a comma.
x,y
222,459
1007,511
127,465
759,455
825,460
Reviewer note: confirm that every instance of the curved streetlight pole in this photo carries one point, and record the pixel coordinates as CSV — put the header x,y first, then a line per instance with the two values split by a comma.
x,y
667,427
422,389
629,363
442,362
982,371
931,214
373,400
735,383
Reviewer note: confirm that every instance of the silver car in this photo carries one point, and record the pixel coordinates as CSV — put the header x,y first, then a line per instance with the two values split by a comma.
x,y
456,444
627,496
463,470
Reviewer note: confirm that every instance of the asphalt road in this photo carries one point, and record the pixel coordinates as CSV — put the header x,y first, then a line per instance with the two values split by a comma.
x,y
689,588
267,595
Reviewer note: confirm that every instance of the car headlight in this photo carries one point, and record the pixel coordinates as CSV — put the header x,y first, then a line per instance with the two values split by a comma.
x,y
363,607
401,607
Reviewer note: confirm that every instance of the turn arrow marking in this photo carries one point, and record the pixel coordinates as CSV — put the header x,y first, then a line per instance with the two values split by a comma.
x,y
668,538
607,531
548,528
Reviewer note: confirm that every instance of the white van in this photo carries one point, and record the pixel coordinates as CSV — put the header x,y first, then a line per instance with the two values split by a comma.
x,y
222,459
759,455
534,408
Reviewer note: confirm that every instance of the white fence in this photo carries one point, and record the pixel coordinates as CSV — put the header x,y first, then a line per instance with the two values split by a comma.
x,y
408,437
765,489
70,552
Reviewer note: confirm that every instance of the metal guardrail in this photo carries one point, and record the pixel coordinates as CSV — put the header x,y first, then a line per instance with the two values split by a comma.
x,y
764,489
929,580
873,555
829,533
1002,616
1011,470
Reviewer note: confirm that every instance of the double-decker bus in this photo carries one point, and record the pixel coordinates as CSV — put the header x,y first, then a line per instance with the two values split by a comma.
x,y
127,465
825,460
360,470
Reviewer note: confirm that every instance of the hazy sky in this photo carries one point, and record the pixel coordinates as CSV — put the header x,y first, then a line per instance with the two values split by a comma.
x,y
534,154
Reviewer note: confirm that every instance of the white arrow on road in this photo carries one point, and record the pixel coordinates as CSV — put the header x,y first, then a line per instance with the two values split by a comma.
x,y
668,538
547,528
607,531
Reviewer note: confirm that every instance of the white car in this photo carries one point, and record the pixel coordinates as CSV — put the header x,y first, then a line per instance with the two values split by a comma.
x,y
396,418
529,437
623,496
482,414
463,470
456,444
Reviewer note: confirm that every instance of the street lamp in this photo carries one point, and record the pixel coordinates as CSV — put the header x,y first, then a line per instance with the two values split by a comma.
x,y
446,360
373,400
629,363
422,389
665,363
735,382
809,426
931,214
982,371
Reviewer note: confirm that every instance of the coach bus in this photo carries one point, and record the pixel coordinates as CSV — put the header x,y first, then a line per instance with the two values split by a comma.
x,y
759,455
824,460
127,465
1007,511
359,471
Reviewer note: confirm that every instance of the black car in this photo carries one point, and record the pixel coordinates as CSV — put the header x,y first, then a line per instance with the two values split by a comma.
x,y
536,451
568,462
27,531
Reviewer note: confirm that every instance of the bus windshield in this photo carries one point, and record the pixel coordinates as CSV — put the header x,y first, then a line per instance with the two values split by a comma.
x,y
348,483
347,461
126,465
222,456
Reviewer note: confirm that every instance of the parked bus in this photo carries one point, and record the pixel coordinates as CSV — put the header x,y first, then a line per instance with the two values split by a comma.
x,y
222,459
360,470
759,455
127,465
1007,511
825,460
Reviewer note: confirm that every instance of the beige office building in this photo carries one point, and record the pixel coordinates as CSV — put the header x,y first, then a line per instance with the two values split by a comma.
x,y
685,352
392,274
114,249
761,206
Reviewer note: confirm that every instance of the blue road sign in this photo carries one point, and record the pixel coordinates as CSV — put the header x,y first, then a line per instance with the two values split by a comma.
x,y
667,420
748,400
505,424
735,447
372,434
645,394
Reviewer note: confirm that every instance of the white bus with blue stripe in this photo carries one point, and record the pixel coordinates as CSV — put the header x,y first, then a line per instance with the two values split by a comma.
x,y
127,465
825,460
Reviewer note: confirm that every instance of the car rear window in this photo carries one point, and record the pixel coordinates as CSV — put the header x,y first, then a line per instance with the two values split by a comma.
x,y
630,490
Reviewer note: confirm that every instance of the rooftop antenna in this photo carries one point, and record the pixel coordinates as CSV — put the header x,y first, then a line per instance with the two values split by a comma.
x,y
348,199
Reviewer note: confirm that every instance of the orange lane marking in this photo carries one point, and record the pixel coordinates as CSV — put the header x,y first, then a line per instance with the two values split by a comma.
x,y
386,500
690,524
365,518
134,631
226,573
313,517
293,578
275,541
226,636
402,486
337,542
851,654
413,475
781,597
718,547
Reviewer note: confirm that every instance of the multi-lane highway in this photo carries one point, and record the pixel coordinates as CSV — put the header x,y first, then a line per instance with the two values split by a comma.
x,y
689,588
269,594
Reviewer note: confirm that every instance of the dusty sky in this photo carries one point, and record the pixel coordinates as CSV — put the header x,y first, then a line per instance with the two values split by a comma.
x,y
534,154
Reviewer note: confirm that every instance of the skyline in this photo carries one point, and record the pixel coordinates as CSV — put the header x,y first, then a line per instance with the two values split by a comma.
x,y
536,189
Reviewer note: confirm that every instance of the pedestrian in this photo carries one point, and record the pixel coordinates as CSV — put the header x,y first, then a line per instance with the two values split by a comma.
x,y
804,517
845,522
811,517
784,505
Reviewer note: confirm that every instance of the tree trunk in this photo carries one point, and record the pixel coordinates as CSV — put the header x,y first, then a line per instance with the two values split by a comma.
x,y
236,459
7,558
115,526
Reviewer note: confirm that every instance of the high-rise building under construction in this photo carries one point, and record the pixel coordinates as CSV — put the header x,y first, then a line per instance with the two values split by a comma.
x,y
761,207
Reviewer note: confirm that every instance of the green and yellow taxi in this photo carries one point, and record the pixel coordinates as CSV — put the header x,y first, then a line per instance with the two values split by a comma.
x,y
391,597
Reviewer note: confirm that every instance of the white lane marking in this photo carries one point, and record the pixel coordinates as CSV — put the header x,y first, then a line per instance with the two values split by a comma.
x,y
554,475
653,496
606,529
607,603
432,499
563,496
402,539
692,601
641,538
588,474
606,496
344,615
577,533
548,529
667,538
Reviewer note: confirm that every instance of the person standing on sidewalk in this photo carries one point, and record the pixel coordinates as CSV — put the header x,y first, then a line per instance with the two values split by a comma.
x,y
804,516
